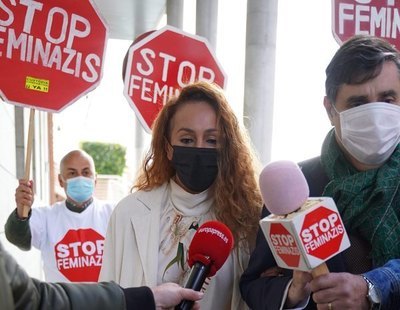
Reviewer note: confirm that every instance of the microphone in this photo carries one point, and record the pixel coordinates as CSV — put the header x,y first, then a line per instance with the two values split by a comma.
x,y
302,232
208,251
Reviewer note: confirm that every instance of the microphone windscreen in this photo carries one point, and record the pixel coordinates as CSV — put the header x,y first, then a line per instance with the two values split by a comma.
x,y
283,187
211,245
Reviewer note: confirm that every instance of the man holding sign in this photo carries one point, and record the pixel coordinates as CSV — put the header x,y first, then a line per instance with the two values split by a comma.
x,y
70,234
359,168
55,51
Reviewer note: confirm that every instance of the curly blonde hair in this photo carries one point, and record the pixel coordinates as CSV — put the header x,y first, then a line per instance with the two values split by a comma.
x,y
238,200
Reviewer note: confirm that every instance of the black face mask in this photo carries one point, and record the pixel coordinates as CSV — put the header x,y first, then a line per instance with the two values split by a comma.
x,y
196,167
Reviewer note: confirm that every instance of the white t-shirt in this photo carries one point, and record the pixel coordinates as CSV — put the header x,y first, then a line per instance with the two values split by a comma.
x,y
71,243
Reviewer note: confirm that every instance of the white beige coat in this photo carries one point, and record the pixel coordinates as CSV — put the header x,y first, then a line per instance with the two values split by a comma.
x,y
131,251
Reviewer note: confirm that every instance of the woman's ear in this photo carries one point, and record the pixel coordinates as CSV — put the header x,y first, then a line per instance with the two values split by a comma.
x,y
169,150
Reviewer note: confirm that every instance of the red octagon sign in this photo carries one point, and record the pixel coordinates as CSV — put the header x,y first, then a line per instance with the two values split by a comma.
x,y
380,18
79,255
160,64
322,233
51,52
284,245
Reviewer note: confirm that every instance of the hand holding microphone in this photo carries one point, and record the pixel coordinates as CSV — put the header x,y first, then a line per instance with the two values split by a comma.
x,y
303,232
208,251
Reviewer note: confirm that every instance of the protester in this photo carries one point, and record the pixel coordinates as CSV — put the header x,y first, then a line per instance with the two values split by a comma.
x,y
200,167
359,167
70,234
19,291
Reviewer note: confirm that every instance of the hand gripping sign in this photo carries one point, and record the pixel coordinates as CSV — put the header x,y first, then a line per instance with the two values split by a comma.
x,y
51,54
160,63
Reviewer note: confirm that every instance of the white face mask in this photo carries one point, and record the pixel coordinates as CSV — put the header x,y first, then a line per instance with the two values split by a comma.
x,y
371,132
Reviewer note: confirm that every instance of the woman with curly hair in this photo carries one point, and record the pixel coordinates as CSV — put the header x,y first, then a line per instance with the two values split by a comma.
x,y
200,167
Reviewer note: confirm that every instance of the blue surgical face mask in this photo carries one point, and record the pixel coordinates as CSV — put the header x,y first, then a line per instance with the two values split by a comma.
x,y
80,189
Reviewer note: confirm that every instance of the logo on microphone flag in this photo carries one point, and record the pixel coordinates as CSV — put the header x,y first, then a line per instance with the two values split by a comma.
x,y
285,245
322,233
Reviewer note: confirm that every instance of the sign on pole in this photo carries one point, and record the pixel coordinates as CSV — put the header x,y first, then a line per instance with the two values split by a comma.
x,y
51,52
380,18
160,64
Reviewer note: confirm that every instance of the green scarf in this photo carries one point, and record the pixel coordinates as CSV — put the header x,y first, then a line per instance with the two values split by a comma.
x,y
368,201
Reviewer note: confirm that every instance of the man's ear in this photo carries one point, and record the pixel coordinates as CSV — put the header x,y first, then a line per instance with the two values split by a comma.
x,y
60,181
329,109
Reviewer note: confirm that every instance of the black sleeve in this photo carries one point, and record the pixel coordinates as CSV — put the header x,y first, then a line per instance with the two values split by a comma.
x,y
261,292
18,231
139,298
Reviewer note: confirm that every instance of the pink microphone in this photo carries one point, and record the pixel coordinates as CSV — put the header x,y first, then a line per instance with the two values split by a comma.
x,y
303,232
283,187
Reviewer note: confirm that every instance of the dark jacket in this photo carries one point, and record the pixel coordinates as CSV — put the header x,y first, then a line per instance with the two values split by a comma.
x,y
19,291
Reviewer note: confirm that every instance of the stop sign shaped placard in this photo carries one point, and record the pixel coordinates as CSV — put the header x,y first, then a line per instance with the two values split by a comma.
x,y
160,64
51,52
79,255
380,18
322,233
284,245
